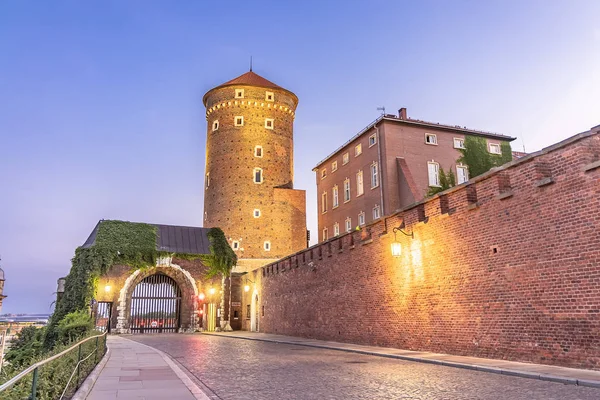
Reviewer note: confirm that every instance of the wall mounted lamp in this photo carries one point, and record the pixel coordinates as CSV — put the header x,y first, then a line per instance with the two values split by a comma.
x,y
247,287
396,246
107,288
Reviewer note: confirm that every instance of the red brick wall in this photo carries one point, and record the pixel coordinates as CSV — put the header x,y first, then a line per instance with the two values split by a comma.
x,y
505,267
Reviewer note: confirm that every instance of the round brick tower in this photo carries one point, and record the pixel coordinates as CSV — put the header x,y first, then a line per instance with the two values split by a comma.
x,y
249,168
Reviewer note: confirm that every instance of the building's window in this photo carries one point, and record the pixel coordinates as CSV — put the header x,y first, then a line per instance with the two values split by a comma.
x,y
495,148
433,170
215,125
336,196
248,311
348,224
205,216
256,213
238,121
346,190
372,140
358,150
324,202
269,123
235,314
258,151
239,93
267,246
334,166
207,179
258,175
361,218
235,245
345,159
323,173
462,174
325,234
459,143
374,175
336,229
430,138
359,183
269,96
376,212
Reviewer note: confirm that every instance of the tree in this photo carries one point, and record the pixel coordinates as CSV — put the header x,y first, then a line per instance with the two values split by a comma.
x,y
221,260
447,180
478,159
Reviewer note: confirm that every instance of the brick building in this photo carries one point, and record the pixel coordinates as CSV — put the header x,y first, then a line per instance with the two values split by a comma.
x,y
386,166
506,266
249,190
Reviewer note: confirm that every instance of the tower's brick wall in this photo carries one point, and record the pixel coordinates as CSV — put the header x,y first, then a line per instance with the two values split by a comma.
x,y
506,266
231,195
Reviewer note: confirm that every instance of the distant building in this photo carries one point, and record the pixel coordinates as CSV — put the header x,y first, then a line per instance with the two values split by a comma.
x,y
387,166
518,154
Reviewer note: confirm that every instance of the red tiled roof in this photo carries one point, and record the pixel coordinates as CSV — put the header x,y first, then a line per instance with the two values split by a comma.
x,y
252,79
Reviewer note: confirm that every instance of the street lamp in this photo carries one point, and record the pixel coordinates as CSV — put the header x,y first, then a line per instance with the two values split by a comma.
x,y
107,288
212,290
396,246
247,287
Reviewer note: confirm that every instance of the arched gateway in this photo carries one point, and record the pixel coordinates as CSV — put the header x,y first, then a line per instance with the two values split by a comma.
x,y
156,305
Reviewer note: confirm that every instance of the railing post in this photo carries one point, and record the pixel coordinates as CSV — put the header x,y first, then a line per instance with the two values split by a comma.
x,y
96,352
78,365
34,384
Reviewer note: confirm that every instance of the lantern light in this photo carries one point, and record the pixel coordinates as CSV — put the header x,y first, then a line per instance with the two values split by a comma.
x,y
247,288
107,288
396,246
201,296
211,290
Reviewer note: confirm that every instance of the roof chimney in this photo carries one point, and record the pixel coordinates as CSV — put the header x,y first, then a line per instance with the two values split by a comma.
x,y
402,113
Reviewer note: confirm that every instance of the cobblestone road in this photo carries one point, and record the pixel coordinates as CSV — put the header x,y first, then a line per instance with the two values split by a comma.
x,y
243,369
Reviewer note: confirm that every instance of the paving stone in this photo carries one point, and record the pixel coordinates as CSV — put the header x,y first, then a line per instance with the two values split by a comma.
x,y
249,369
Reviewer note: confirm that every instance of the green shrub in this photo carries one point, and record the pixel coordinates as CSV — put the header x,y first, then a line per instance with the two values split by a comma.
x,y
74,326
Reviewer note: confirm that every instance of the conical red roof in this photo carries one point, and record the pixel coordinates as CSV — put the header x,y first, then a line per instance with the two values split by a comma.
x,y
252,79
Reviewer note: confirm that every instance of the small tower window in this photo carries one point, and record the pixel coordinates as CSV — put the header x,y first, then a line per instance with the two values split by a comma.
x,y
269,123
215,125
239,121
267,245
258,151
235,245
239,93
258,175
207,179
256,213
269,96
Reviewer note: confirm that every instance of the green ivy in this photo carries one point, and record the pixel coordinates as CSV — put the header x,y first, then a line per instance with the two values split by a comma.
x,y
222,258
478,159
447,180
117,242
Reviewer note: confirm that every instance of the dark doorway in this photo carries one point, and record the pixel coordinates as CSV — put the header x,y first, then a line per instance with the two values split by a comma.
x,y
155,305
103,316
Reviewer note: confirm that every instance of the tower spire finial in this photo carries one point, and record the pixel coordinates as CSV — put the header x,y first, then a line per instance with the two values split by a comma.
x,y
250,63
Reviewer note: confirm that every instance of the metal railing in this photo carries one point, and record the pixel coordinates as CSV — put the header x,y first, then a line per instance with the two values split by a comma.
x,y
79,366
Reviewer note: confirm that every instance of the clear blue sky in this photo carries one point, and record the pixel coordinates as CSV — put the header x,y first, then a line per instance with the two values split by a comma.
x,y
101,113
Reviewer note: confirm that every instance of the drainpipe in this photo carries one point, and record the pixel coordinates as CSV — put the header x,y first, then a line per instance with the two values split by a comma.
x,y
380,169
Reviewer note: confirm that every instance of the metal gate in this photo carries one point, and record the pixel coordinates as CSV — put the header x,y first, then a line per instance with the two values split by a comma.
x,y
155,305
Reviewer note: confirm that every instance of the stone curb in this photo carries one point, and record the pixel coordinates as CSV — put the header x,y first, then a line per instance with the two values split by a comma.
x,y
482,368
198,393
87,385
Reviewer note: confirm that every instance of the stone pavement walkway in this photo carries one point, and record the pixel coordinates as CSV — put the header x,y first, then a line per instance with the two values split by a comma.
x,y
582,377
137,371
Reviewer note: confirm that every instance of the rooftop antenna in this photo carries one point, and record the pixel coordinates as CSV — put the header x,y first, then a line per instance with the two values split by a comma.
x,y
250,63
382,109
